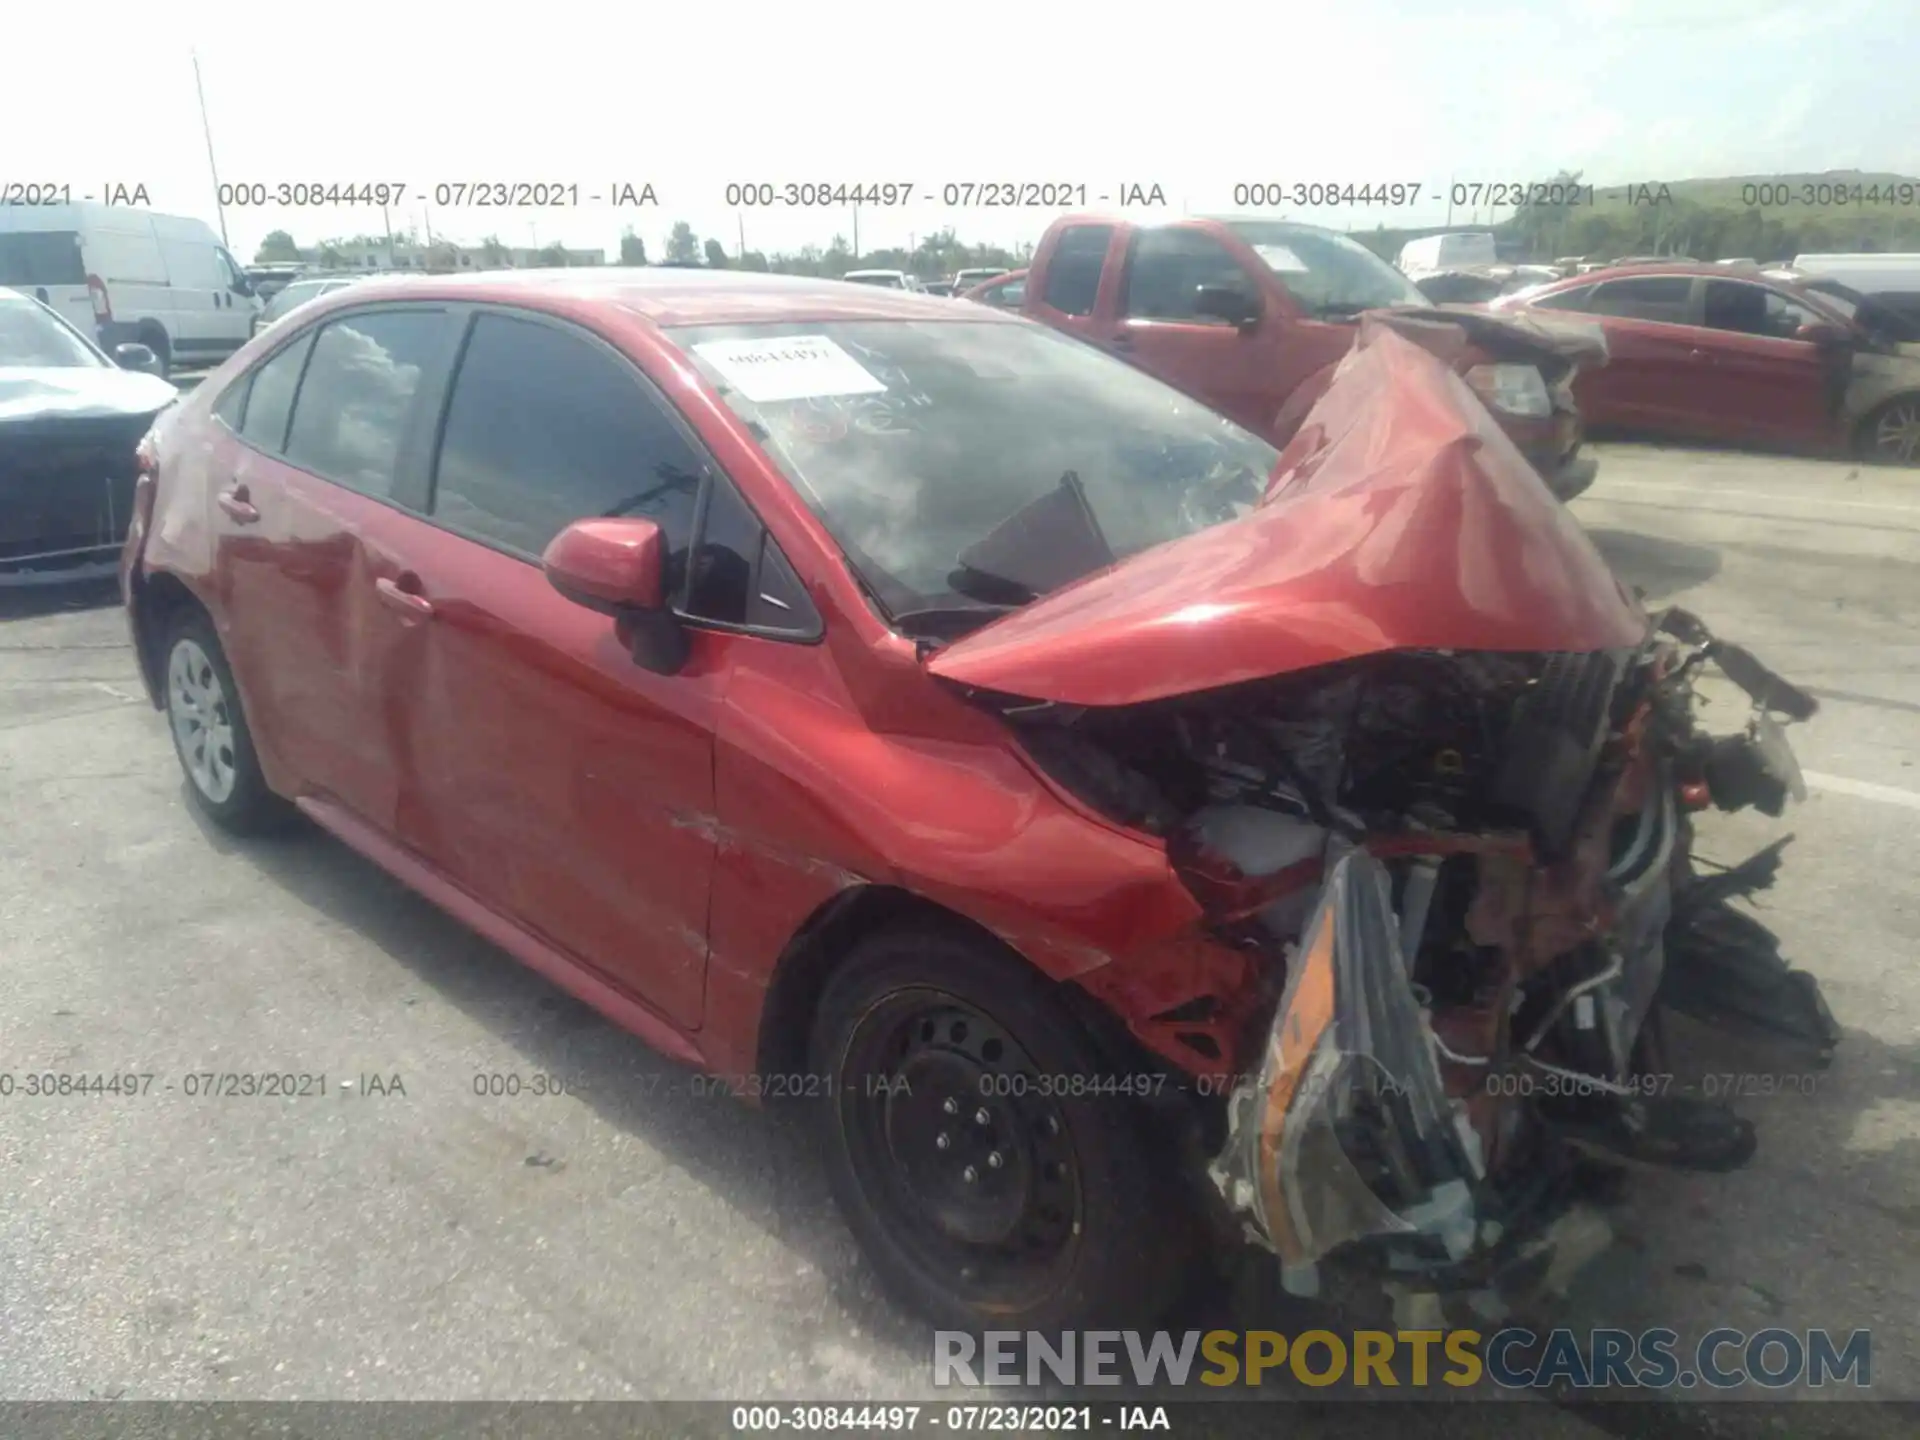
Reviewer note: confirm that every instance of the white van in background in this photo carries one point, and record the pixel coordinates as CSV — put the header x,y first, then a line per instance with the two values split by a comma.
x,y
886,279
1893,280
122,274
1460,250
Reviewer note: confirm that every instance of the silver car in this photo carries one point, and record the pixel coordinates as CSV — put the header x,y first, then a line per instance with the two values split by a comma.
x,y
293,296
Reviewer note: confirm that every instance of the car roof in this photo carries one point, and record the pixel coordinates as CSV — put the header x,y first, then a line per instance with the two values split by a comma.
x,y
1645,269
1231,220
668,295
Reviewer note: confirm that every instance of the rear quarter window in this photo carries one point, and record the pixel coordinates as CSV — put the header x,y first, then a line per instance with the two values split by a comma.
x,y
264,400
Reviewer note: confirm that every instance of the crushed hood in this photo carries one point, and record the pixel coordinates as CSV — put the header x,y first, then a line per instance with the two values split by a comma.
x,y
35,393
1447,330
1400,517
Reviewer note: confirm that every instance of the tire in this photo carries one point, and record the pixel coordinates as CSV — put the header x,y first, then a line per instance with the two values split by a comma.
x,y
979,1205
210,734
1890,435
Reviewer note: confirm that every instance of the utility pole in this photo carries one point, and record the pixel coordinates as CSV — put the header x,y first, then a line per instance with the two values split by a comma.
x,y
207,130
741,220
856,232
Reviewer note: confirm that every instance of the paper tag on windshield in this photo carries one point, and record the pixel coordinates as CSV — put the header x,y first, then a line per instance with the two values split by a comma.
x,y
1280,258
793,367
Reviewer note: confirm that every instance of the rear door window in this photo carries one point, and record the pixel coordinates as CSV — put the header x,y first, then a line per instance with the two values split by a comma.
x,y
1664,298
359,396
1578,299
1073,273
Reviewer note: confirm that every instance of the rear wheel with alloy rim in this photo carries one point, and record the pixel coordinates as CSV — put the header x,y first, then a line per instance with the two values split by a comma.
x,y
1891,434
210,732
991,1176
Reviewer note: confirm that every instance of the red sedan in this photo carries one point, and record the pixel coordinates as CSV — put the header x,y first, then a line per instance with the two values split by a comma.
x,y
1730,354
902,708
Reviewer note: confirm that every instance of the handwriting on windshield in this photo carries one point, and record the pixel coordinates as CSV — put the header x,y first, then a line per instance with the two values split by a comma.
x,y
830,419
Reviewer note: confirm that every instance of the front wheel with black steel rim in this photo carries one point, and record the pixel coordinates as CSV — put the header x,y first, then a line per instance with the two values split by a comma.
x,y
1891,434
210,732
991,1177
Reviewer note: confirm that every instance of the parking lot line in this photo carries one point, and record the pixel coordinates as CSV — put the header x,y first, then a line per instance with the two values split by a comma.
x,y
1863,789
1823,501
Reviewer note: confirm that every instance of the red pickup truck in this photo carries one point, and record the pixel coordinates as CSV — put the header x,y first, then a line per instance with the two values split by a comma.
x,y
1252,316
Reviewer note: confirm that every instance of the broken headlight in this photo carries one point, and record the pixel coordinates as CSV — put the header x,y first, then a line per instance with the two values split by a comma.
x,y
1348,1131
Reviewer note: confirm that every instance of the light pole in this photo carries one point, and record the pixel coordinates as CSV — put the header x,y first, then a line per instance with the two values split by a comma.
x,y
207,130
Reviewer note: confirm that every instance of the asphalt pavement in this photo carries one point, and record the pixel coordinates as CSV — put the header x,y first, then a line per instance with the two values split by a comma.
x,y
405,1237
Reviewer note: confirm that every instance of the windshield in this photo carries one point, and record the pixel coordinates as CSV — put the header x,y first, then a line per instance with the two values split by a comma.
x,y
1326,272
30,337
967,468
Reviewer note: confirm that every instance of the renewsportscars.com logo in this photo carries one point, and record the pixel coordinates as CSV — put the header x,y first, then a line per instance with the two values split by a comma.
x,y
1513,1358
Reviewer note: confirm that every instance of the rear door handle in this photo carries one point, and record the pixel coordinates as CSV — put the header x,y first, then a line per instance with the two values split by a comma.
x,y
1123,341
238,505
400,595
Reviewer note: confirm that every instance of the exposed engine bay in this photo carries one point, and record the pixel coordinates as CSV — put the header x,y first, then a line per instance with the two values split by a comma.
x,y
1466,881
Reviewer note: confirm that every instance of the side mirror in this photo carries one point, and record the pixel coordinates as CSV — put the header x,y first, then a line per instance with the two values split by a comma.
x,y
618,567
1224,302
131,355
1821,332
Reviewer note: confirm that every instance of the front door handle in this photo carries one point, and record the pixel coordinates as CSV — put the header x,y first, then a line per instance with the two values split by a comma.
x,y
402,595
1123,341
238,505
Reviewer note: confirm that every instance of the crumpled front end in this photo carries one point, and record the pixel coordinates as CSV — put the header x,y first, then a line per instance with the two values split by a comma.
x,y
1466,1024
1429,773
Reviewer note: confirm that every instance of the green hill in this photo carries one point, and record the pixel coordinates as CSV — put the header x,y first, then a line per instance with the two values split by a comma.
x,y
1758,217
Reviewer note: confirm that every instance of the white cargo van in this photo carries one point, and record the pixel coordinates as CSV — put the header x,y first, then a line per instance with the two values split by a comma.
x,y
123,274
1462,249
1892,279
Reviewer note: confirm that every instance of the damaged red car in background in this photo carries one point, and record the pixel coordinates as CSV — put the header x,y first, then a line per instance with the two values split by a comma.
x,y
1108,823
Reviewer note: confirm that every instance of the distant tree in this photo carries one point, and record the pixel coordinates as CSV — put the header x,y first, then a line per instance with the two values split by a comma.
x,y
716,255
838,258
493,253
683,246
555,255
277,246
633,250
755,260
330,258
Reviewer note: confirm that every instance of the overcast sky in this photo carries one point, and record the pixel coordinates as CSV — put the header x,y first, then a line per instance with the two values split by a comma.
x,y
1194,98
